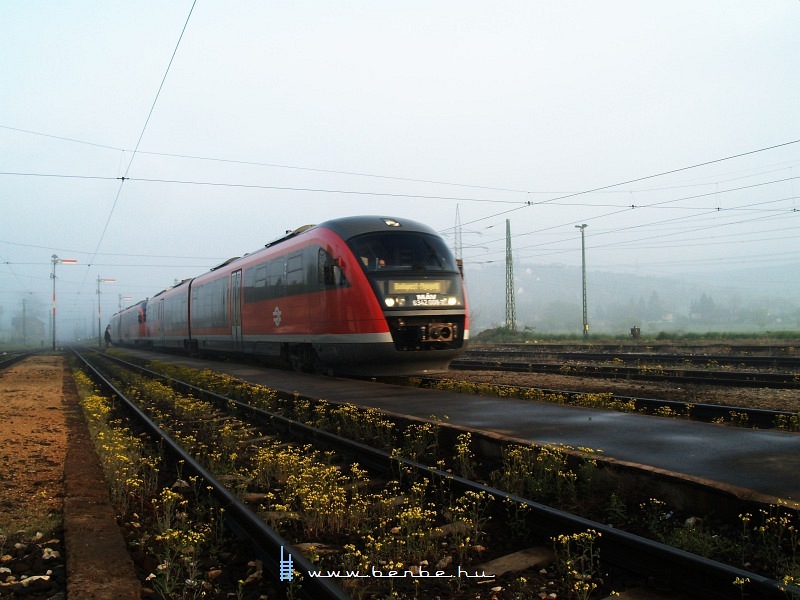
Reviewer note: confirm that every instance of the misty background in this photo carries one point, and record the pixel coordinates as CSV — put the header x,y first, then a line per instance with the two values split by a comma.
x,y
549,301
152,141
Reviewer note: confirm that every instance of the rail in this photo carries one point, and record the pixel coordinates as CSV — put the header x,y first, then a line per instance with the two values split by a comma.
x,y
248,525
7,360
692,574
722,378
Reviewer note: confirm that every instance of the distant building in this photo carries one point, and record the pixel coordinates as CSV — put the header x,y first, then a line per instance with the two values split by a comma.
x,y
31,330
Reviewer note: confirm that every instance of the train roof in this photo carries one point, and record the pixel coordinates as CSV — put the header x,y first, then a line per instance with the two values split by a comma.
x,y
348,227
288,235
227,262
345,227
177,285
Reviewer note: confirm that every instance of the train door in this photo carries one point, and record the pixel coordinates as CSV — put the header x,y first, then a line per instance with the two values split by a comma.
x,y
161,324
236,309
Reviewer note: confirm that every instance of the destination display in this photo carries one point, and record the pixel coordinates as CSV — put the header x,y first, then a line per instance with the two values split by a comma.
x,y
417,287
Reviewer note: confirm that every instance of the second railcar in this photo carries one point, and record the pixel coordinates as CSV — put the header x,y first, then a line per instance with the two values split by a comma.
x,y
128,326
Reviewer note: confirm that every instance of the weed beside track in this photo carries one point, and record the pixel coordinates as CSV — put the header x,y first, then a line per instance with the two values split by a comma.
x,y
349,519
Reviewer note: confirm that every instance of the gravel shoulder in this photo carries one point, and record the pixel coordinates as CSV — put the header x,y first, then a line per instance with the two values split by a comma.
x,y
34,433
52,492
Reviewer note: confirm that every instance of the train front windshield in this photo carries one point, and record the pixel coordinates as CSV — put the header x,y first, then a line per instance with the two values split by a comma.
x,y
410,270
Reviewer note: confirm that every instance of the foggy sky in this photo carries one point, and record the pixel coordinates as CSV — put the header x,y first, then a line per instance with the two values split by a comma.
x,y
275,115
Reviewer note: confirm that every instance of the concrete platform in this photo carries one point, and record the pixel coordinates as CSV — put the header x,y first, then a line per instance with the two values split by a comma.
x,y
764,464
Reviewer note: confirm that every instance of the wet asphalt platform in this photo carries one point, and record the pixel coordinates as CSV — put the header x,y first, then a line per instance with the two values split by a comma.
x,y
763,464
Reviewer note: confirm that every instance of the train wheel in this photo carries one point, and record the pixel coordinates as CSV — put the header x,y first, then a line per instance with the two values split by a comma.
x,y
318,366
304,359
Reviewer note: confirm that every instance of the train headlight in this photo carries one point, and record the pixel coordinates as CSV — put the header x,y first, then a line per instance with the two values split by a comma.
x,y
389,302
452,301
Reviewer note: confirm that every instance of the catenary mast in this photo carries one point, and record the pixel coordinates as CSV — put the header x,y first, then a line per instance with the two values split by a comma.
x,y
511,308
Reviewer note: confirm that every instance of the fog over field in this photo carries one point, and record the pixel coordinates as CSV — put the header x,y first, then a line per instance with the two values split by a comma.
x,y
549,300
151,141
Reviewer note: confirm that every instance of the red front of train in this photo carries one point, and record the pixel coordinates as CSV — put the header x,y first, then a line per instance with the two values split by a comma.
x,y
358,295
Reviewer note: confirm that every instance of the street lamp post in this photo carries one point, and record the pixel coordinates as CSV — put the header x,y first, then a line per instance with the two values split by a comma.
x,y
57,261
583,274
99,326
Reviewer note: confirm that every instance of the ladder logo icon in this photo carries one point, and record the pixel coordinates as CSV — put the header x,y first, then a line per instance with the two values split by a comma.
x,y
285,567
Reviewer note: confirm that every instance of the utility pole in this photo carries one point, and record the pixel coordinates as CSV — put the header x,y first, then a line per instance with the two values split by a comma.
x,y
511,308
57,261
583,273
99,326
457,245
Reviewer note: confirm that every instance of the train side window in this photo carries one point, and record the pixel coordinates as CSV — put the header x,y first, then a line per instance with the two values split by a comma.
x,y
255,283
329,271
260,283
249,284
294,274
322,262
261,276
276,278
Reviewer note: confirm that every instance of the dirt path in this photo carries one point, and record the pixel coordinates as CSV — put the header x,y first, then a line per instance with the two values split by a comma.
x,y
49,475
33,441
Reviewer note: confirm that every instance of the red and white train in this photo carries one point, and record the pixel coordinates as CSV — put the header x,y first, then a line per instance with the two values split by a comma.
x,y
361,295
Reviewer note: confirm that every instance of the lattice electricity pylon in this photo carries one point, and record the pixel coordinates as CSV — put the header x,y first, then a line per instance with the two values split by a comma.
x,y
511,308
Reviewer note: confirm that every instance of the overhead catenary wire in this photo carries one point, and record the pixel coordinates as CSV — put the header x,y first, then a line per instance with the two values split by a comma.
x,y
520,204
702,210
624,208
144,128
265,187
676,242
392,194
75,251
133,154
672,236
621,183
363,174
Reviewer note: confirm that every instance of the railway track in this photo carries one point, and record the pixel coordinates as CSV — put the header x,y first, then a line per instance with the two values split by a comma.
x,y
687,359
622,552
265,540
654,348
752,379
696,411
8,359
